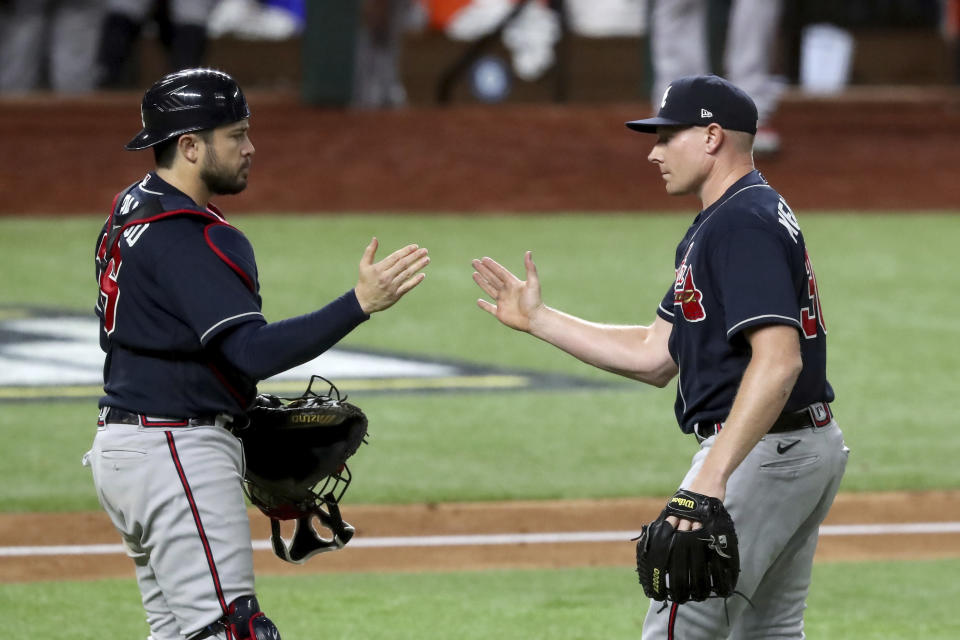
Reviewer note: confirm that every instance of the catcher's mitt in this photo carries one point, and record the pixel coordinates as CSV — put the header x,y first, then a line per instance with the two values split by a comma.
x,y
689,565
296,451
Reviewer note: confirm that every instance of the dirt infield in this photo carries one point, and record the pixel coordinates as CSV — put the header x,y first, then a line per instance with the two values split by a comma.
x,y
521,517
880,149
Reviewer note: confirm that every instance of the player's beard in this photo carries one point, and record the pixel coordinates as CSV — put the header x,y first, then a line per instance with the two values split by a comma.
x,y
219,179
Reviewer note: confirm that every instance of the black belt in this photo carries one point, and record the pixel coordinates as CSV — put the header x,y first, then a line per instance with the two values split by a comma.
x,y
816,415
112,415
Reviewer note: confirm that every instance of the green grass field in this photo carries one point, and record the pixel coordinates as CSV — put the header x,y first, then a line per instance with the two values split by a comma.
x,y
886,283
849,600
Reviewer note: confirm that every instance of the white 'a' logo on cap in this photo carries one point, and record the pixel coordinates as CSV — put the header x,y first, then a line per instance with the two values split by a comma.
x,y
663,100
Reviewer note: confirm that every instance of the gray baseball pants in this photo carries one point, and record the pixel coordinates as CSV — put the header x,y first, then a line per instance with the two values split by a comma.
x,y
777,502
175,496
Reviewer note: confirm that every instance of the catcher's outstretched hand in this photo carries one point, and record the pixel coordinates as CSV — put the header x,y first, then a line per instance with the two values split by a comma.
x,y
382,283
515,301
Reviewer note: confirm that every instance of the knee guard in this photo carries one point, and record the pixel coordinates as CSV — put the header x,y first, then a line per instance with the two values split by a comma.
x,y
245,620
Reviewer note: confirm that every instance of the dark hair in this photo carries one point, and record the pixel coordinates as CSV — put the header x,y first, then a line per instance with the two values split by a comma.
x,y
166,151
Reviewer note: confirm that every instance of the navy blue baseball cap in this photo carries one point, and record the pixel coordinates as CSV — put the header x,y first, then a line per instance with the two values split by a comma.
x,y
699,101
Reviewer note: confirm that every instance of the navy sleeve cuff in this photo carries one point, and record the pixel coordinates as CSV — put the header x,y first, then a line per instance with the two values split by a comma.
x,y
350,298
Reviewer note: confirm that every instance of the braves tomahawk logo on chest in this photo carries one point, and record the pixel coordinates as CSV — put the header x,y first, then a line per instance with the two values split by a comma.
x,y
686,295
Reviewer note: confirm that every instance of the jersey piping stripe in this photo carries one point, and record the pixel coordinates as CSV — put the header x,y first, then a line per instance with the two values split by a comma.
x,y
239,315
145,190
669,313
731,197
680,389
789,320
196,519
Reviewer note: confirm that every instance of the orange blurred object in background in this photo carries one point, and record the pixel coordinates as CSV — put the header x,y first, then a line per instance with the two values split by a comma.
x,y
442,10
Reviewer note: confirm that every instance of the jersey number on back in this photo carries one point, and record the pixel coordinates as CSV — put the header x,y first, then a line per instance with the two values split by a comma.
x,y
812,315
107,278
109,289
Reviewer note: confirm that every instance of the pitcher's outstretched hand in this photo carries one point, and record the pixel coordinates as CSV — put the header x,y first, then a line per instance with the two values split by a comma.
x,y
516,302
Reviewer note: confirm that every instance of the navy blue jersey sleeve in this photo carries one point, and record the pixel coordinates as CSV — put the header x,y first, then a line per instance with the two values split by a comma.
x,y
209,282
752,266
263,350
665,309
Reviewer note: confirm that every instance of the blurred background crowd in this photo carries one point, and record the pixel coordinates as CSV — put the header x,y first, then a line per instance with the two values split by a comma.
x,y
391,53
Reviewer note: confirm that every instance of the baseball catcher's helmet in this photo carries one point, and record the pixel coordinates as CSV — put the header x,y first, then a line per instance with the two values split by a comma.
x,y
296,453
185,101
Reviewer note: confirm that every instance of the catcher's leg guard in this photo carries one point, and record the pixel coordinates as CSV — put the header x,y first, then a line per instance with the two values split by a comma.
x,y
244,621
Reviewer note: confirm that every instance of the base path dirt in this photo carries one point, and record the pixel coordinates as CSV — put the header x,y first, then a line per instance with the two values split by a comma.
x,y
467,519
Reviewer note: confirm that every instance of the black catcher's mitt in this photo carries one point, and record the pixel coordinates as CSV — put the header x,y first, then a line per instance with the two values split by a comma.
x,y
296,453
689,565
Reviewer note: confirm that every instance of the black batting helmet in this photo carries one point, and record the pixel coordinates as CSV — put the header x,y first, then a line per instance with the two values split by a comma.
x,y
185,101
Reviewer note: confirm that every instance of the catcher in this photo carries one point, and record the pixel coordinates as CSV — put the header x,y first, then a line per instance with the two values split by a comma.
x,y
185,344
742,327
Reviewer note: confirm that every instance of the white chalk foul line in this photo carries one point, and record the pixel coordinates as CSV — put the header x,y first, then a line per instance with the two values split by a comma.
x,y
493,539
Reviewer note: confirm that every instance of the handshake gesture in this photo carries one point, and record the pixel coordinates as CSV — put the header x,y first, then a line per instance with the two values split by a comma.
x,y
516,303
382,283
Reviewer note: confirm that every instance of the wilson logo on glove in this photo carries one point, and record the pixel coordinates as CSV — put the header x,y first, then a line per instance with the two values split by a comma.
x,y
689,565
